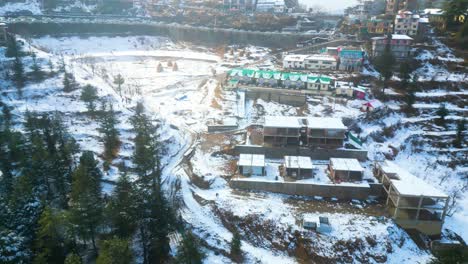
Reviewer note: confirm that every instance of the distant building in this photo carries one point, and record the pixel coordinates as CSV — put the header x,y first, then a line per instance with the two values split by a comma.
x,y
345,170
351,59
250,164
242,5
376,26
304,131
394,5
298,167
400,46
406,23
3,33
309,62
271,6
436,17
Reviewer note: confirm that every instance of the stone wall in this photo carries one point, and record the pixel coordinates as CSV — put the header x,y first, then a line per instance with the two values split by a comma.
x,y
280,96
315,154
341,191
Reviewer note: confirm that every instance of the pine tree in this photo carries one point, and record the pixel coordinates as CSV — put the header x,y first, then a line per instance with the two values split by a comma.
x,y
73,259
188,251
405,71
175,67
110,133
122,208
86,200
13,48
155,216
69,82
115,251
442,112
89,96
385,62
49,243
119,81
236,251
18,74
459,138
37,72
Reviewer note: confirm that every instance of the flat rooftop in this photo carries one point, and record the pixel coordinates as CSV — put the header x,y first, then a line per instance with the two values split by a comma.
x,y
299,122
251,160
340,164
409,185
298,162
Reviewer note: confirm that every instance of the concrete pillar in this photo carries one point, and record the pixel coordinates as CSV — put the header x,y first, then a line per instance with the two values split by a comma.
x,y
419,207
444,213
396,208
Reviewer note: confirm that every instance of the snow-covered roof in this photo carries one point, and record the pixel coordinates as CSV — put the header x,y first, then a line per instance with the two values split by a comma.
x,y
251,160
346,164
284,121
395,36
325,123
298,122
405,14
408,184
424,20
298,162
433,11
295,57
321,57
374,103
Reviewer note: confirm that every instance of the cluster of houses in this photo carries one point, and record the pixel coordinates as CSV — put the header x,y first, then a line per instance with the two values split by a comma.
x,y
244,77
262,6
332,58
397,23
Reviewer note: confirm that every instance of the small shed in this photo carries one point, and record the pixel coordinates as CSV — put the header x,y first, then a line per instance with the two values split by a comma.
x,y
251,164
298,167
371,105
324,225
345,170
309,223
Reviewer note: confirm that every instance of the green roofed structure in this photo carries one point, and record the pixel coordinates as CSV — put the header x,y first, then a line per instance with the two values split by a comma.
x,y
290,80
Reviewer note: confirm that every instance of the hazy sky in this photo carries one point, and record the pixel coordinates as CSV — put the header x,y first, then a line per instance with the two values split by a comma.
x,y
330,5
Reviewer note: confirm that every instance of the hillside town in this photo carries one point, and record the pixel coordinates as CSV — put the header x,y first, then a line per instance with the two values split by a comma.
x,y
233,131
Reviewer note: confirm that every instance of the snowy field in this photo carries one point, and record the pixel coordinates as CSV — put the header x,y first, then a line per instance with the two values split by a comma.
x,y
183,101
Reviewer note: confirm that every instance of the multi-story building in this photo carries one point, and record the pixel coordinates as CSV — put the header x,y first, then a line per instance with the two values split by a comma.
x,y
394,5
304,131
406,23
351,59
400,45
310,62
274,6
377,26
239,4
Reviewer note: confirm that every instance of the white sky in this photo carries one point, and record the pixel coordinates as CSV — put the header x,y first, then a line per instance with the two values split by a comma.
x,y
330,5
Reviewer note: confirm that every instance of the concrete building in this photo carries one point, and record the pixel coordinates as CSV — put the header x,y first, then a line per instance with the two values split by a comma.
x,y
309,62
298,167
377,26
271,6
316,132
325,132
394,5
242,5
351,59
413,203
320,84
400,46
345,170
250,164
406,23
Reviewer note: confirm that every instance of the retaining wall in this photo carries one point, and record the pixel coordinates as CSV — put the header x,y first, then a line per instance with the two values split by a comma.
x,y
307,189
279,96
315,154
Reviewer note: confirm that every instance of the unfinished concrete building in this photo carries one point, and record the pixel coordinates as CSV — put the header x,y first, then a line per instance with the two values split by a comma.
x,y
303,131
412,203
298,167
345,170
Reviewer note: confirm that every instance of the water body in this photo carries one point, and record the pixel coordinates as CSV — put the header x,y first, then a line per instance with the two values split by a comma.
x,y
334,6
